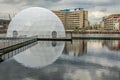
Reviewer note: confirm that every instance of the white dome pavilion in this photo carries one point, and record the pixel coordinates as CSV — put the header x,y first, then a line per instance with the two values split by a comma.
x,y
42,22
36,21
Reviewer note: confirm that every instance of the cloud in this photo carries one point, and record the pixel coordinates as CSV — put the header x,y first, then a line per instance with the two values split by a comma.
x,y
96,8
98,14
4,8
53,0
11,1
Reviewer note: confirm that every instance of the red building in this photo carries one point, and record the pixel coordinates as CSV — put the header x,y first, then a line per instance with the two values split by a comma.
x,y
114,16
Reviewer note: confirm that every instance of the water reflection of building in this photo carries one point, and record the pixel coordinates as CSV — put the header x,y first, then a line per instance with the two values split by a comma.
x,y
76,48
113,45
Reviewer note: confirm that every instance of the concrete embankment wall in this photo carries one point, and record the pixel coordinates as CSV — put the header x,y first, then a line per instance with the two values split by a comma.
x,y
94,32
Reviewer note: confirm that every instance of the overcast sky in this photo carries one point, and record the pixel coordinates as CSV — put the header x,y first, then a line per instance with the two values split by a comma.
x,y
96,8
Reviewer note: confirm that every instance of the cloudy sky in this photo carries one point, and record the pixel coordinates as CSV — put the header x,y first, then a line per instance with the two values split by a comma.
x,y
96,8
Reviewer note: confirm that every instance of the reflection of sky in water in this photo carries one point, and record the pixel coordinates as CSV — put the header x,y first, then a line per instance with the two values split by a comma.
x,y
99,63
99,55
102,55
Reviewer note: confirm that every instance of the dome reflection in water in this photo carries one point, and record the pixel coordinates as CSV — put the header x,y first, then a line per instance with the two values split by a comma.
x,y
41,55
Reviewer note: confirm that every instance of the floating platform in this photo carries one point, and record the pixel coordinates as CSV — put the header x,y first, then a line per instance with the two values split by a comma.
x,y
54,39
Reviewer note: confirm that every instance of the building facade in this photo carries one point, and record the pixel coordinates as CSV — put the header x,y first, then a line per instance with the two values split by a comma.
x,y
73,19
5,19
119,24
111,21
102,25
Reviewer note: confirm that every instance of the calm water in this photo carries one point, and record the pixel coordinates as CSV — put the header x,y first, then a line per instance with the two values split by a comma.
x,y
76,60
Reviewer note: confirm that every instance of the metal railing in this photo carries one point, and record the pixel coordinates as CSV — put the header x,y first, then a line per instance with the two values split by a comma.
x,y
12,46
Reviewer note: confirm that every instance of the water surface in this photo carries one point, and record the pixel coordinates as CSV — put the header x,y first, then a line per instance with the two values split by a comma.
x,y
78,60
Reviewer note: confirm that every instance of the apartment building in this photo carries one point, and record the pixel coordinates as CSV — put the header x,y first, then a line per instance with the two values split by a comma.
x,y
73,19
111,21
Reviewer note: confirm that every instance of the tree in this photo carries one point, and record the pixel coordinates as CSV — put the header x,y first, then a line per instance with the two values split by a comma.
x,y
5,25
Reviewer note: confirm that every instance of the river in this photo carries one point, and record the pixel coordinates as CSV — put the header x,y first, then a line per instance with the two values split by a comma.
x,y
76,60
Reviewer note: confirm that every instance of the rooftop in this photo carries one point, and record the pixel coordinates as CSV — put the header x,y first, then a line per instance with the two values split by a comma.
x,y
70,10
